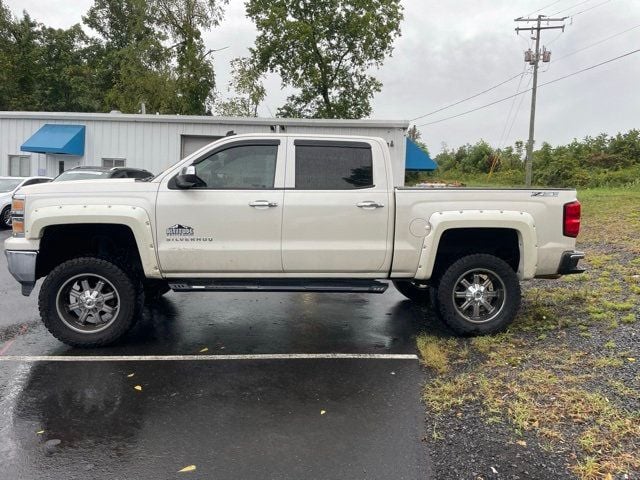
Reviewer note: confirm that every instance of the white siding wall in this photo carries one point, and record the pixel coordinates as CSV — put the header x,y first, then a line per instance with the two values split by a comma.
x,y
155,144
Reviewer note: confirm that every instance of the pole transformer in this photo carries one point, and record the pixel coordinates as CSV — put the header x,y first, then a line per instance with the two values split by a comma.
x,y
533,58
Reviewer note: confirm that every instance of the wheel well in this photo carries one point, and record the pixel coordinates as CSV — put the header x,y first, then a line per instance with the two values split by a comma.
x,y
60,243
458,242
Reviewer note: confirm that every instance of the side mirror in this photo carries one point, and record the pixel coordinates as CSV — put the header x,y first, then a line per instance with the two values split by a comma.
x,y
188,178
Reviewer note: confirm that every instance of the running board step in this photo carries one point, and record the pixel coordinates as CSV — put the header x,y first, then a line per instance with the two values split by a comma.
x,y
278,285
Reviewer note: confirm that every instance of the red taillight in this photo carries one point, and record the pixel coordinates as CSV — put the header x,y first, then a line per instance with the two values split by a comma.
x,y
571,222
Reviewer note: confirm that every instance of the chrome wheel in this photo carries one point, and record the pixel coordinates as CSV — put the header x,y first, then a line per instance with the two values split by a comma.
x,y
479,295
88,303
6,217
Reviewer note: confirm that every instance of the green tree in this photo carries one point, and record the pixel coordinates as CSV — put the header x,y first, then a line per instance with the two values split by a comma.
x,y
195,79
6,57
20,56
43,68
325,50
249,90
66,81
131,63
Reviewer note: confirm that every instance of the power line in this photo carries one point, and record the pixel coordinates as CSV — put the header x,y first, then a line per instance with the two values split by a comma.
x,y
513,122
596,43
591,8
519,74
504,129
529,89
466,99
546,6
571,7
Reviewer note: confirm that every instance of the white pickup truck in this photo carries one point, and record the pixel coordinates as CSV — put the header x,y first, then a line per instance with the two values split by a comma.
x,y
283,213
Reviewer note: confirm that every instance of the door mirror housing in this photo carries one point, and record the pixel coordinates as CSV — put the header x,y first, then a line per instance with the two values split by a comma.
x,y
188,178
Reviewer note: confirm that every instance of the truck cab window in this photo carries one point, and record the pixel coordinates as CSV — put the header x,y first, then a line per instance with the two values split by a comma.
x,y
329,167
245,167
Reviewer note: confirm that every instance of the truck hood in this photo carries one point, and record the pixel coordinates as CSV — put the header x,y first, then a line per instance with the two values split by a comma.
x,y
87,187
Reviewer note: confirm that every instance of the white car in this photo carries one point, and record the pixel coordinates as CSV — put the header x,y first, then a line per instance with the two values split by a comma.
x,y
10,185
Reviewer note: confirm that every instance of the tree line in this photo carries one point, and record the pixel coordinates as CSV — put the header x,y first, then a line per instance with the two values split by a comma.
x,y
603,160
129,52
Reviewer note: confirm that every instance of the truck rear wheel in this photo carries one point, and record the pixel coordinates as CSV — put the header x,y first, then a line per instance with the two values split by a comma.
x,y
478,294
416,292
88,302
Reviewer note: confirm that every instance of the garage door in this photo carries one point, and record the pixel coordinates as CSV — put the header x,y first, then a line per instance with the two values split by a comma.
x,y
191,143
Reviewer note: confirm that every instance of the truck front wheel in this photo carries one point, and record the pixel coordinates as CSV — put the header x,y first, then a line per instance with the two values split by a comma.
x,y
88,302
478,294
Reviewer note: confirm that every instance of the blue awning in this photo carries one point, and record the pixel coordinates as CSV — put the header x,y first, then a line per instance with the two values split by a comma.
x,y
57,138
417,160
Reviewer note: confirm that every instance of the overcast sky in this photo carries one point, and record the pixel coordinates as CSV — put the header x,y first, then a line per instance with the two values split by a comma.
x,y
453,49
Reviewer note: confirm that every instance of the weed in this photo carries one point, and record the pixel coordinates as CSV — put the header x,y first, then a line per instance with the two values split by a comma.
x,y
628,319
435,352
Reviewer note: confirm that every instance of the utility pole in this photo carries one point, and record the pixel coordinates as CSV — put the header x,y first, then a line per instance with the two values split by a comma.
x,y
533,58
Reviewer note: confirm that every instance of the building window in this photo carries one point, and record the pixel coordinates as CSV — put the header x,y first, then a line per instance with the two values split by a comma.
x,y
113,162
19,165
333,167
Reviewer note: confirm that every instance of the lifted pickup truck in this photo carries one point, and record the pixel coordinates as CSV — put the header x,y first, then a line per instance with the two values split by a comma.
x,y
283,213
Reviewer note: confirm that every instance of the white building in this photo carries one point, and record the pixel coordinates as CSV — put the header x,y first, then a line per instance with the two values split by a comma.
x,y
47,143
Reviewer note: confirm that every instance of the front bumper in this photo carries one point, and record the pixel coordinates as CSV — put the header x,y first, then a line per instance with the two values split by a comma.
x,y
569,263
22,265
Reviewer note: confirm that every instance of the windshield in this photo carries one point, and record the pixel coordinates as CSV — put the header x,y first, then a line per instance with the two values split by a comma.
x,y
9,184
81,175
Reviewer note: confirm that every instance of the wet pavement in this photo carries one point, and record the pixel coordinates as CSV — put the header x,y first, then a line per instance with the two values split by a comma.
x,y
288,418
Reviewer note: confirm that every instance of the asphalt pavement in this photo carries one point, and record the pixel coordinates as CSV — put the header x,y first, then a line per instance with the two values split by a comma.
x,y
263,399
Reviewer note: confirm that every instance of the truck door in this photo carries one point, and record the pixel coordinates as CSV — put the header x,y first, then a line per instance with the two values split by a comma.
x,y
337,209
232,223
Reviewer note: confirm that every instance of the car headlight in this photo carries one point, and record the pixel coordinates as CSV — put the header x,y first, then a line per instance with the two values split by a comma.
x,y
17,214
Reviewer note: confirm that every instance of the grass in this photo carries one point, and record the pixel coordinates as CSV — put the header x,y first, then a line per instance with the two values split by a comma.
x,y
557,372
434,352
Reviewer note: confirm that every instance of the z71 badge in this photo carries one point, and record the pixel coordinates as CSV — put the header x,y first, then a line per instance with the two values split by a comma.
x,y
183,233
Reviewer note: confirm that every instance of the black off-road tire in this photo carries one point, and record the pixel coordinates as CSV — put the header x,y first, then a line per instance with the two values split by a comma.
x,y
3,217
510,304
128,289
421,294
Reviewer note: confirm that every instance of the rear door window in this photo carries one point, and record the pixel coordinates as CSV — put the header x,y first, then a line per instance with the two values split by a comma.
x,y
333,165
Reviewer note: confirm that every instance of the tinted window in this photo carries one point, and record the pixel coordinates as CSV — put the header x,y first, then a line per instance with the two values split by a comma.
x,y
244,167
328,167
138,174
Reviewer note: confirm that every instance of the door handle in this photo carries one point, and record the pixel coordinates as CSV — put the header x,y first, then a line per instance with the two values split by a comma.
x,y
263,204
369,205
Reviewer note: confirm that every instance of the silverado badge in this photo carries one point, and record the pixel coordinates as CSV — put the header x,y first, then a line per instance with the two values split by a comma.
x,y
183,233
178,230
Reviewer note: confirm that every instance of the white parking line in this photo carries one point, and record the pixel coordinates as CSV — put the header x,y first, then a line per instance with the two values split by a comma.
x,y
207,358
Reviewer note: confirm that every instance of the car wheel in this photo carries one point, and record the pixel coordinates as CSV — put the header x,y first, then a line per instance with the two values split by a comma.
x,y
478,294
5,218
88,302
416,292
